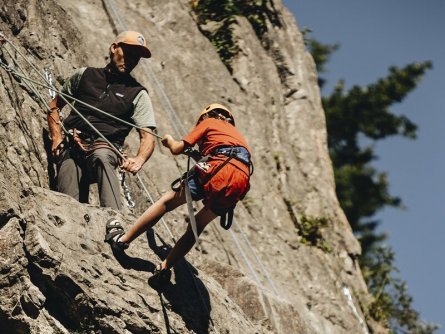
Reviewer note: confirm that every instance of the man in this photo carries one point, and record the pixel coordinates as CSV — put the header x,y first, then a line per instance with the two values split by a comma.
x,y
82,157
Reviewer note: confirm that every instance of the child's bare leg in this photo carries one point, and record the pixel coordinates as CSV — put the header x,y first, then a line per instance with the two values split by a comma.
x,y
186,242
151,216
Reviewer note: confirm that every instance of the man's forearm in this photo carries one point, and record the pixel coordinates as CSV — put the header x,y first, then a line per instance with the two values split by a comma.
x,y
146,146
53,119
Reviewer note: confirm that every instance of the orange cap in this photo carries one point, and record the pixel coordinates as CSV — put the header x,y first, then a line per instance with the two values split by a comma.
x,y
134,38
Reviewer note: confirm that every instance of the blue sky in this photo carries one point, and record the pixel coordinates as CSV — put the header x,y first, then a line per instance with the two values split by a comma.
x,y
375,35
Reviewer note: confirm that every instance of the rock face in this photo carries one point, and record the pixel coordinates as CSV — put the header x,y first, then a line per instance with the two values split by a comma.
x,y
266,274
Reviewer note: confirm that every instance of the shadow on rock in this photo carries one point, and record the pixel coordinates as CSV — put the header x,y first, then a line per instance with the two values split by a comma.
x,y
187,296
163,249
135,263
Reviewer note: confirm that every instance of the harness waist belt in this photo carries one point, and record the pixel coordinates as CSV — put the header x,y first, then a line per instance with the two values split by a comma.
x,y
85,136
238,152
90,138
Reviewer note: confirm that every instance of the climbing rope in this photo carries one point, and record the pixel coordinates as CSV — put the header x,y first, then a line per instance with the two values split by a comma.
x,y
249,265
166,102
65,97
110,6
167,105
260,263
48,85
36,93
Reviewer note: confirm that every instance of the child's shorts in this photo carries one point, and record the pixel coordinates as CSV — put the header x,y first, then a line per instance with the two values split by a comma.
x,y
223,190
195,186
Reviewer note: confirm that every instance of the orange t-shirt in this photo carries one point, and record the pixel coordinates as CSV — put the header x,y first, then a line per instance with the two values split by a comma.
x,y
212,133
231,183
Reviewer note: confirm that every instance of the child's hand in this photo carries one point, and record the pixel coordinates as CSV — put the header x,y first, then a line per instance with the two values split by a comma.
x,y
167,140
175,147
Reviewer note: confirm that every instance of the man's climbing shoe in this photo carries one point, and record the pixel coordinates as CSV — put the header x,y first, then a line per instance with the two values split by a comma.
x,y
159,278
113,232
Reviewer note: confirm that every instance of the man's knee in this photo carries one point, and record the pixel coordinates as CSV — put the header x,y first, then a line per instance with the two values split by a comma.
x,y
68,178
103,158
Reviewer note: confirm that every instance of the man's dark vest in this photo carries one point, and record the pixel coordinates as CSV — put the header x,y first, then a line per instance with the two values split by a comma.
x,y
109,92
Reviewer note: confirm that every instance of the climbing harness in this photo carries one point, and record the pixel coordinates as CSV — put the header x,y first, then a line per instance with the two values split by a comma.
x,y
240,154
230,152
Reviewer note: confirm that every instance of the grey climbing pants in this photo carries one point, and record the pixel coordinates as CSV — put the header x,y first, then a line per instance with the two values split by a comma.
x,y
76,173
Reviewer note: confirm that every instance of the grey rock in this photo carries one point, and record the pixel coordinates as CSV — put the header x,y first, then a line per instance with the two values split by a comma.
x,y
56,273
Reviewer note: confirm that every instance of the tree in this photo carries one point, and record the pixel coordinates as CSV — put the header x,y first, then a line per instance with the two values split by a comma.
x,y
354,118
363,112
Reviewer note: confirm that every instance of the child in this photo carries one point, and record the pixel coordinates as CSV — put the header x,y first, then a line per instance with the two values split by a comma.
x,y
220,181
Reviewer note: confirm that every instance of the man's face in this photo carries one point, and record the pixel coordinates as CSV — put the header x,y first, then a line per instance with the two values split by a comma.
x,y
124,57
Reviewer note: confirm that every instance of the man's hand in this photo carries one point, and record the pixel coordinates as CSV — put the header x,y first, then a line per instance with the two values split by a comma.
x,y
146,147
133,165
57,146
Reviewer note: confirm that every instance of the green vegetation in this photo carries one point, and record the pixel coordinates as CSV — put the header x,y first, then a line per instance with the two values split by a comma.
x,y
355,117
320,52
223,13
392,304
310,228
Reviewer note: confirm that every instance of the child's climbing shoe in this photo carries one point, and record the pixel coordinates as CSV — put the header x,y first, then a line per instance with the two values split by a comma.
x,y
113,232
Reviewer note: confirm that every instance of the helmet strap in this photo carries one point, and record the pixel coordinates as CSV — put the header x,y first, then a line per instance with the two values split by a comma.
x,y
220,116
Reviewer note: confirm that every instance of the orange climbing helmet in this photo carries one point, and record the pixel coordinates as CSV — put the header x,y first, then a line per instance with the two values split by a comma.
x,y
219,110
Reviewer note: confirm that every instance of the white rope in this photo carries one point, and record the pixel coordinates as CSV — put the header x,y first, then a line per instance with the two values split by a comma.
x,y
269,278
165,101
180,131
65,97
243,255
28,81
174,121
